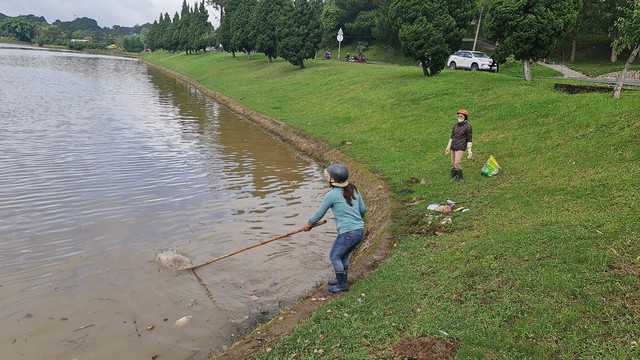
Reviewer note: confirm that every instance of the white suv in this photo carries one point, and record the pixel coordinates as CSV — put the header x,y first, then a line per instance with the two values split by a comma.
x,y
472,60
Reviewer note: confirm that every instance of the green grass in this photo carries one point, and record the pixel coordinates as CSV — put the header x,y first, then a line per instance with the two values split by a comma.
x,y
9,40
547,262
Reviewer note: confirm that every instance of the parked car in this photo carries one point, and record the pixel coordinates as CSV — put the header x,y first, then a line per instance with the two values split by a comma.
x,y
472,60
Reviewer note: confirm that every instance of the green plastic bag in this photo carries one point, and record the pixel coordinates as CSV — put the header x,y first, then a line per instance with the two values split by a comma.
x,y
491,167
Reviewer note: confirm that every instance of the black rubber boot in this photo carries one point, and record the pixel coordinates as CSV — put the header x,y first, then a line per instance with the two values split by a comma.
x,y
460,176
335,282
454,175
342,283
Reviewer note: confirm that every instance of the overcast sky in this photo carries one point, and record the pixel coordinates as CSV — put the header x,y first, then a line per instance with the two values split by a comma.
x,y
106,12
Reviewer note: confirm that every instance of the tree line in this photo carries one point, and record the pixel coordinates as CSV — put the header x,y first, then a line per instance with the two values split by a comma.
x,y
189,31
425,30
35,29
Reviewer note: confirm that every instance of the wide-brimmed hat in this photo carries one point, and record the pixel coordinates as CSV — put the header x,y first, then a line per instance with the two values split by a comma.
x,y
337,175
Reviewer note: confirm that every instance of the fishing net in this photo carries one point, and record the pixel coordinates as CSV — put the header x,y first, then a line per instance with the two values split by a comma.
x,y
174,259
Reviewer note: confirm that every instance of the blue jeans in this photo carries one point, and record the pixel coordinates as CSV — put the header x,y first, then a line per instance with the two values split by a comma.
x,y
342,247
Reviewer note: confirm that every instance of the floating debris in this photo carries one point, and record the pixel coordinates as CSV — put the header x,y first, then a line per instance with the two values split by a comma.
x,y
183,320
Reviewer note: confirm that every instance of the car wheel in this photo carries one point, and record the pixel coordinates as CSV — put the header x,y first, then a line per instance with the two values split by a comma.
x,y
474,67
452,65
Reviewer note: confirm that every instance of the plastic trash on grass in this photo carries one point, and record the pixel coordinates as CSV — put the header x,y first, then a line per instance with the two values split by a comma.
x,y
491,167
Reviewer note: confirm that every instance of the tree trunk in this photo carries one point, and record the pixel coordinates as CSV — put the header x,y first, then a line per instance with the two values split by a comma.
x,y
618,88
573,45
270,58
475,40
424,65
301,64
527,69
614,53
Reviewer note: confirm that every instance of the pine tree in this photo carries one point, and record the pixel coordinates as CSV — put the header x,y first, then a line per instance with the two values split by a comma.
x,y
241,34
430,30
299,32
264,21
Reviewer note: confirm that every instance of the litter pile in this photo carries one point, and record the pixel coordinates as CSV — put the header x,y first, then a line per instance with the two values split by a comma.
x,y
445,217
436,220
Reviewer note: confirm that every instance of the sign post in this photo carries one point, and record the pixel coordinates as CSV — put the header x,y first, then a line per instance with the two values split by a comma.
x,y
340,37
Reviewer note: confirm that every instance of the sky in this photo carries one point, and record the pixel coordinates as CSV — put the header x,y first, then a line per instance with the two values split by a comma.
x,y
106,12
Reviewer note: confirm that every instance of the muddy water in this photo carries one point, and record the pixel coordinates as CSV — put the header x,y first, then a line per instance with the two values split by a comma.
x,y
104,161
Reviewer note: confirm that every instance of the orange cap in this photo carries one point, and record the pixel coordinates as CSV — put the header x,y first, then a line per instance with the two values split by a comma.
x,y
464,112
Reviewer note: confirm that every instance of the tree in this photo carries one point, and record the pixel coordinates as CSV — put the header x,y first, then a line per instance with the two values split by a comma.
x,y
529,29
362,20
613,13
201,28
132,43
241,34
264,21
430,30
19,28
157,34
172,35
49,35
182,29
300,32
144,34
226,26
382,28
330,19
219,4
629,25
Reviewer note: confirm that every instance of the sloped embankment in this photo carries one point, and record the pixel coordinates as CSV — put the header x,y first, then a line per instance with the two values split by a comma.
x,y
371,252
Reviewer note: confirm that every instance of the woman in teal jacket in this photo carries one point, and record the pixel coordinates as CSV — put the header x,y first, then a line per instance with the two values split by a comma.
x,y
345,201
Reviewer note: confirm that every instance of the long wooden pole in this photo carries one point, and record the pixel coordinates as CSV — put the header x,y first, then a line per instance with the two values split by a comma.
x,y
255,245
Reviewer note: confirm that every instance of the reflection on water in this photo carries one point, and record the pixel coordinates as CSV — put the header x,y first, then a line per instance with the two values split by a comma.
x,y
103,162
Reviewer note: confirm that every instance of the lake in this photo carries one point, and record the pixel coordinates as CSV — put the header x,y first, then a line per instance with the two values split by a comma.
x,y
104,162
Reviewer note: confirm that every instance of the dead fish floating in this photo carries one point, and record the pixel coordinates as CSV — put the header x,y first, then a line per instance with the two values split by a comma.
x,y
183,321
174,259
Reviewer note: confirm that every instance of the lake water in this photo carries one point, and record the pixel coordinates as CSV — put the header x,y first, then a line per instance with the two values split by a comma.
x,y
103,161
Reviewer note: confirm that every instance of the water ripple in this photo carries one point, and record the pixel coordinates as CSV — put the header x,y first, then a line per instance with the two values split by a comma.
x,y
104,161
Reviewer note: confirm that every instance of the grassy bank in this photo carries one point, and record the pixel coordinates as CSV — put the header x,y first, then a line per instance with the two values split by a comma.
x,y
546,262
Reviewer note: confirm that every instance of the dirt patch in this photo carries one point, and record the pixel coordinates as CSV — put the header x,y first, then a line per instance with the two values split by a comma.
x,y
581,89
424,348
374,248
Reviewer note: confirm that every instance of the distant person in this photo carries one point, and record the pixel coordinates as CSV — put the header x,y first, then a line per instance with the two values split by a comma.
x,y
345,201
347,57
461,140
494,64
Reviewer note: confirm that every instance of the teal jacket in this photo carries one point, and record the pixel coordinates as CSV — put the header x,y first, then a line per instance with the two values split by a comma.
x,y
347,217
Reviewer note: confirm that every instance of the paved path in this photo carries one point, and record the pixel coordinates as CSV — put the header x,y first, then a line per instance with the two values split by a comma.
x,y
576,75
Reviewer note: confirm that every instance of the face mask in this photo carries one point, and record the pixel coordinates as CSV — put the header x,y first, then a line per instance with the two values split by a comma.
x,y
460,120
